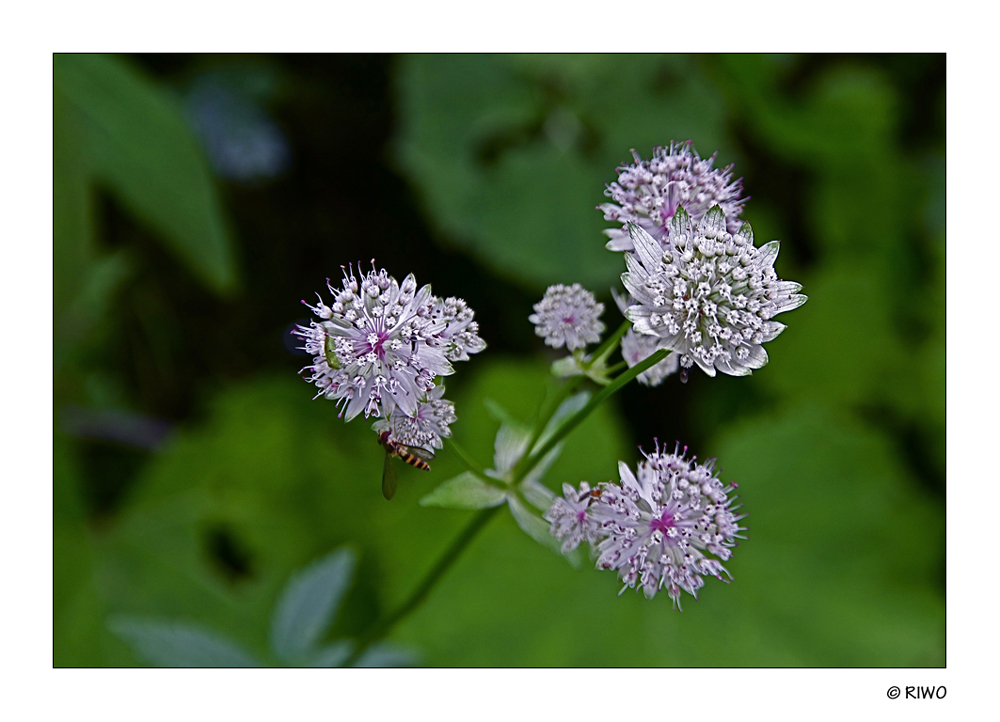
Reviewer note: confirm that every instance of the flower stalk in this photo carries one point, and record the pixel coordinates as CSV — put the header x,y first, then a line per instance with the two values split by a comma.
x,y
444,563
576,419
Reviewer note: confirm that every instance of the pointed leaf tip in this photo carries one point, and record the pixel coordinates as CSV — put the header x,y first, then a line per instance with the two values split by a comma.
x,y
309,603
170,644
465,491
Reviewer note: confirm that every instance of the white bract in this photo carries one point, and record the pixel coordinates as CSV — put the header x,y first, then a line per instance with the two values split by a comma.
x,y
568,316
657,526
649,192
709,295
379,347
637,347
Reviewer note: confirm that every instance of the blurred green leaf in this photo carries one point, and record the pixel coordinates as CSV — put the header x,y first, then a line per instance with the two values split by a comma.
x,y
269,474
537,494
465,491
841,347
567,408
135,140
512,152
179,645
532,524
333,655
77,612
386,655
72,206
84,281
309,603
499,413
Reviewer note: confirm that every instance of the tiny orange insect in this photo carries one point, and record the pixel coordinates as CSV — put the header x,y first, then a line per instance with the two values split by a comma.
x,y
412,455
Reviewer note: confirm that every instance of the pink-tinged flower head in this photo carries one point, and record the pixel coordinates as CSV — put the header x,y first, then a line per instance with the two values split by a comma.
x,y
568,316
380,345
709,295
658,526
571,522
649,192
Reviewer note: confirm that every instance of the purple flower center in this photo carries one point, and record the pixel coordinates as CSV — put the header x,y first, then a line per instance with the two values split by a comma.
x,y
376,346
666,521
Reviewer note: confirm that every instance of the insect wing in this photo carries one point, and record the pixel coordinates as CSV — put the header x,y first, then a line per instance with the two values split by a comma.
x,y
420,452
388,477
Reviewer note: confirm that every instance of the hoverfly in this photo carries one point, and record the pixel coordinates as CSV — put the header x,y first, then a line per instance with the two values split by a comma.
x,y
412,455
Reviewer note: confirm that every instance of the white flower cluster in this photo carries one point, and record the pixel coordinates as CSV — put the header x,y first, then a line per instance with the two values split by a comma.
x,y
656,527
426,427
709,295
568,316
380,347
649,192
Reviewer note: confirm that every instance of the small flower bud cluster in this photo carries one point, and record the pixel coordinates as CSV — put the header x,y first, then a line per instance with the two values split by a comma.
x,y
568,316
426,427
709,295
380,347
649,192
656,527
637,348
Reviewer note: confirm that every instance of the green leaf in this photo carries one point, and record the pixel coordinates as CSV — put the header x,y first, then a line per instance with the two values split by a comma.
x,y
136,142
566,366
333,655
72,207
539,496
386,655
166,644
508,447
499,413
502,147
566,409
466,491
266,464
534,477
532,524
309,603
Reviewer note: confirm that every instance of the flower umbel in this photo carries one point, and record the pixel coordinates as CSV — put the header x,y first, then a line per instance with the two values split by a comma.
x,y
656,527
649,192
426,427
380,345
709,295
571,522
568,316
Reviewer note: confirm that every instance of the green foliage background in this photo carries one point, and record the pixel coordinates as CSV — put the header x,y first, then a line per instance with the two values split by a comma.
x,y
175,288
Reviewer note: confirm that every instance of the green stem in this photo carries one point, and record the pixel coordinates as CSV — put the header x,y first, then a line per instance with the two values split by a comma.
x,y
469,463
444,562
617,367
598,399
567,390
564,392
610,342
